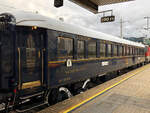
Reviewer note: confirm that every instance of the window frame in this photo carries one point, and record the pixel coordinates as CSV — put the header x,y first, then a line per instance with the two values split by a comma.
x,y
103,53
109,52
67,56
94,54
83,49
115,49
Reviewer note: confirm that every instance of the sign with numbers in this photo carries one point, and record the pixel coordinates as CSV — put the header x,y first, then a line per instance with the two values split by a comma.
x,y
107,19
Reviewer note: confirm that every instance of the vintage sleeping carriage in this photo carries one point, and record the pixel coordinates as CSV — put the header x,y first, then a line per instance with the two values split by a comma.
x,y
46,60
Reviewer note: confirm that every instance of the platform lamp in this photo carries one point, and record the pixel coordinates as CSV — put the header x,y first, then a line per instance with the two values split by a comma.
x,y
58,3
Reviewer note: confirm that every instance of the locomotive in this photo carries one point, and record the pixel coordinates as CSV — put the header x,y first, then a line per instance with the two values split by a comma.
x,y
44,61
147,54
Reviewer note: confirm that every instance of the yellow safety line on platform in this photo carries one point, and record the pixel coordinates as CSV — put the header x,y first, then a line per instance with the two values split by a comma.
x,y
70,109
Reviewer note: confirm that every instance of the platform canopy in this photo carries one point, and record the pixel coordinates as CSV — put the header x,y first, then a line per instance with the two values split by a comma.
x,y
92,5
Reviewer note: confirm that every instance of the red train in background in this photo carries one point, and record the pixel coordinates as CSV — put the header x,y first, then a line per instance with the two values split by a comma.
x,y
147,54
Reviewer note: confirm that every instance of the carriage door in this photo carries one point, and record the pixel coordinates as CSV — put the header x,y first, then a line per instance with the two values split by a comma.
x,y
30,57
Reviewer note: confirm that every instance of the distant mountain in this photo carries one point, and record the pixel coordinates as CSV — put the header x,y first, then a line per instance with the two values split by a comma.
x,y
143,40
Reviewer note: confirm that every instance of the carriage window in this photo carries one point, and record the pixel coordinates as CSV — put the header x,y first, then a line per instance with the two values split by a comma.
x,y
80,50
30,41
135,51
115,50
120,50
65,48
127,50
138,51
130,50
109,50
142,51
102,49
124,50
92,49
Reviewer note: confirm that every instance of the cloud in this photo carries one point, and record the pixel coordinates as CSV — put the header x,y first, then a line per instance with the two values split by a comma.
x,y
132,13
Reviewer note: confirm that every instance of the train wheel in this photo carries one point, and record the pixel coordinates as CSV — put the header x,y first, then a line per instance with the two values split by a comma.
x,y
64,94
52,96
89,85
57,95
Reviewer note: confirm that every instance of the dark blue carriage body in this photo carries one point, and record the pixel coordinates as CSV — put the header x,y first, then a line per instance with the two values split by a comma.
x,y
82,70
56,72
60,74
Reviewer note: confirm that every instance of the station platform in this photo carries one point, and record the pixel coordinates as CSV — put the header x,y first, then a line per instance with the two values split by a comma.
x,y
128,93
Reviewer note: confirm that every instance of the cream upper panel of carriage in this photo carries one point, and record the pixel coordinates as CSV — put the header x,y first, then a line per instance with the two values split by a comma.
x,y
31,19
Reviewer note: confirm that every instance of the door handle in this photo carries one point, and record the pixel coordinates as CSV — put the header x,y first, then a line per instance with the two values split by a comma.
x,y
43,50
39,54
19,68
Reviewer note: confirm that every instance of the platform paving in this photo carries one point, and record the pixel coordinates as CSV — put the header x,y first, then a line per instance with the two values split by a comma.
x,y
129,96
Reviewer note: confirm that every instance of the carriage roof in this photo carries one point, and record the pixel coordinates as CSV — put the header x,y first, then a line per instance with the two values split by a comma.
x,y
33,19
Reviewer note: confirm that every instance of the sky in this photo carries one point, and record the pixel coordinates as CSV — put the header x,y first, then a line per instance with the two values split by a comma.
x,y
132,14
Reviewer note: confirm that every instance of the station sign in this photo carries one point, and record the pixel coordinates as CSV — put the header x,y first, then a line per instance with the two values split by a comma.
x,y
107,19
